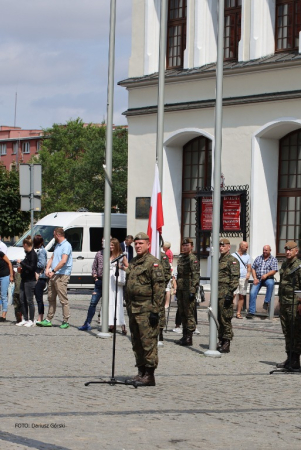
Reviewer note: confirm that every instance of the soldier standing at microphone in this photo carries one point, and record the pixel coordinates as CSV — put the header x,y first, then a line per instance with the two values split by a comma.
x,y
144,295
188,277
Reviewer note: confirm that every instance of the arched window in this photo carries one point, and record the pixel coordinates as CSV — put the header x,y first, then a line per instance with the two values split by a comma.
x,y
232,30
197,163
176,34
289,191
288,24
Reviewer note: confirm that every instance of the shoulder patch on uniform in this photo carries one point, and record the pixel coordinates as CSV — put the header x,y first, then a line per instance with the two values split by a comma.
x,y
156,265
195,262
234,262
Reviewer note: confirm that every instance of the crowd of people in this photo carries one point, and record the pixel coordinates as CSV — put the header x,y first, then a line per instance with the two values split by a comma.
x,y
144,283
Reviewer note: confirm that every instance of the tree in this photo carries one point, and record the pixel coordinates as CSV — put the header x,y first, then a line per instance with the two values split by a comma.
x,y
13,222
72,158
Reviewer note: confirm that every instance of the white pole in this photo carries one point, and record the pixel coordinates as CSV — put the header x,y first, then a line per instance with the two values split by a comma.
x,y
108,178
217,181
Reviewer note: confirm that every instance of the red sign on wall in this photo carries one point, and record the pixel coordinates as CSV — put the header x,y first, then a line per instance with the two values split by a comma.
x,y
231,213
207,213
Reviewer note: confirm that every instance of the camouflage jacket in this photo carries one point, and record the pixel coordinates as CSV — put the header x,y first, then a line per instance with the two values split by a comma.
x,y
145,285
228,275
188,270
166,268
286,280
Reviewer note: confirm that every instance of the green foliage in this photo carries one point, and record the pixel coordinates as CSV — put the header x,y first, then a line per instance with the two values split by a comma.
x,y
72,158
13,222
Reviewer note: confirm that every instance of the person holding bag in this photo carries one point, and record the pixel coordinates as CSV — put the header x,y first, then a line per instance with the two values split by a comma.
x,y
115,251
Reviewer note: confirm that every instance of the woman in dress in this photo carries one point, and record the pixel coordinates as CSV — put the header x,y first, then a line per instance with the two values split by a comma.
x,y
28,268
6,275
115,251
38,243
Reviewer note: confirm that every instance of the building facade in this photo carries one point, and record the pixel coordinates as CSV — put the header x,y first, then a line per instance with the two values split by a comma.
x,y
261,113
17,146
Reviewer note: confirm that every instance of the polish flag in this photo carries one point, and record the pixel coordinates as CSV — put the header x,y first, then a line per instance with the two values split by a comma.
x,y
156,220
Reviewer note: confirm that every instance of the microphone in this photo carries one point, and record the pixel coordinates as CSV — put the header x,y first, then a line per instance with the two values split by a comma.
x,y
118,257
295,270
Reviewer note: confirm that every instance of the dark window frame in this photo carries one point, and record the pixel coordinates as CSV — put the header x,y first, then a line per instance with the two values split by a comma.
x,y
234,13
287,191
293,28
172,23
190,194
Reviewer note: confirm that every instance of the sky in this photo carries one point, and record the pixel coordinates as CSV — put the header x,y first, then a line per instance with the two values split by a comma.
x,y
54,54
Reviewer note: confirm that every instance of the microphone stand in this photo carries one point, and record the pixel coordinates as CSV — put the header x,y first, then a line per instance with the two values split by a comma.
x,y
113,381
289,368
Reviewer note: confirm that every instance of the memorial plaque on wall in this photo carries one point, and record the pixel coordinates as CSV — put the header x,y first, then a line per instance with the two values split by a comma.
x,y
206,213
142,207
231,213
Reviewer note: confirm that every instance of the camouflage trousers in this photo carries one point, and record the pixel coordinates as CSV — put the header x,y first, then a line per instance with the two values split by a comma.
x,y
225,315
286,317
186,311
144,340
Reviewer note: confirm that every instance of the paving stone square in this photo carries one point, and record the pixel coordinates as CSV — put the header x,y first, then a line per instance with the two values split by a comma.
x,y
230,402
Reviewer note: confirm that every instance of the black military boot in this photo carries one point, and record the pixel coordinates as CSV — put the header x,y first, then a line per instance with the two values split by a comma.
x,y
188,340
295,362
183,338
220,344
284,364
148,379
140,375
225,347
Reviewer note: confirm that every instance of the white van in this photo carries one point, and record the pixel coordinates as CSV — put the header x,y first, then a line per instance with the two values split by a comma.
x,y
84,231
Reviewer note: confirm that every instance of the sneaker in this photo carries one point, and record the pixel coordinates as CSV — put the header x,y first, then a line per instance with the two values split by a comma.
x,y
64,325
177,330
196,331
250,316
29,323
85,327
20,324
44,323
265,306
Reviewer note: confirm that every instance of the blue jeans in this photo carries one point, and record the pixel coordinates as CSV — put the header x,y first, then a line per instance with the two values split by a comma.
x,y
269,284
97,293
4,281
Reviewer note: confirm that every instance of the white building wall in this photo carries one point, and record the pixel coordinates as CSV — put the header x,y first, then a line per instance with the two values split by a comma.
x,y
262,42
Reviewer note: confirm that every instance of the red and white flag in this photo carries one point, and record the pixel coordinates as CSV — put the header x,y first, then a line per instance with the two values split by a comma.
x,y
156,220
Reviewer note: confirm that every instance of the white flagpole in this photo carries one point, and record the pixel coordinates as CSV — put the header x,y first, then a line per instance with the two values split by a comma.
x,y
217,181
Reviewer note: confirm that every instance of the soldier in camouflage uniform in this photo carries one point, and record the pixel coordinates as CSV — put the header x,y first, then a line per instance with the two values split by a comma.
x,y
167,276
144,295
228,279
188,277
290,316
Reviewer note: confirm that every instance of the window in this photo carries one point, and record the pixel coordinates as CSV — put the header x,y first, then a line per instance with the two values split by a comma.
x,y
176,34
26,147
232,30
38,146
288,24
2,149
197,161
75,237
289,191
15,148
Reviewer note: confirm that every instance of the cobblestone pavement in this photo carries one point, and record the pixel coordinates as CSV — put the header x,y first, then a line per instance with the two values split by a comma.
x,y
199,402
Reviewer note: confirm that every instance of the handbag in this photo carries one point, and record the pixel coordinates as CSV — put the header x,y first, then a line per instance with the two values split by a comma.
x,y
10,293
121,278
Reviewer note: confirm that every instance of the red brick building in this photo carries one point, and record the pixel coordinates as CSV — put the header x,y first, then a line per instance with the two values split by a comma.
x,y
18,145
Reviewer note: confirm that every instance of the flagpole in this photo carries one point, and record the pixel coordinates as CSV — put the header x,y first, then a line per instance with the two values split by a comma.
x,y
108,177
217,183
161,82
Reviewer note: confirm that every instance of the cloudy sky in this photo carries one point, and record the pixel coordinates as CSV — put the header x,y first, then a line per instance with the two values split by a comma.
x,y
54,54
